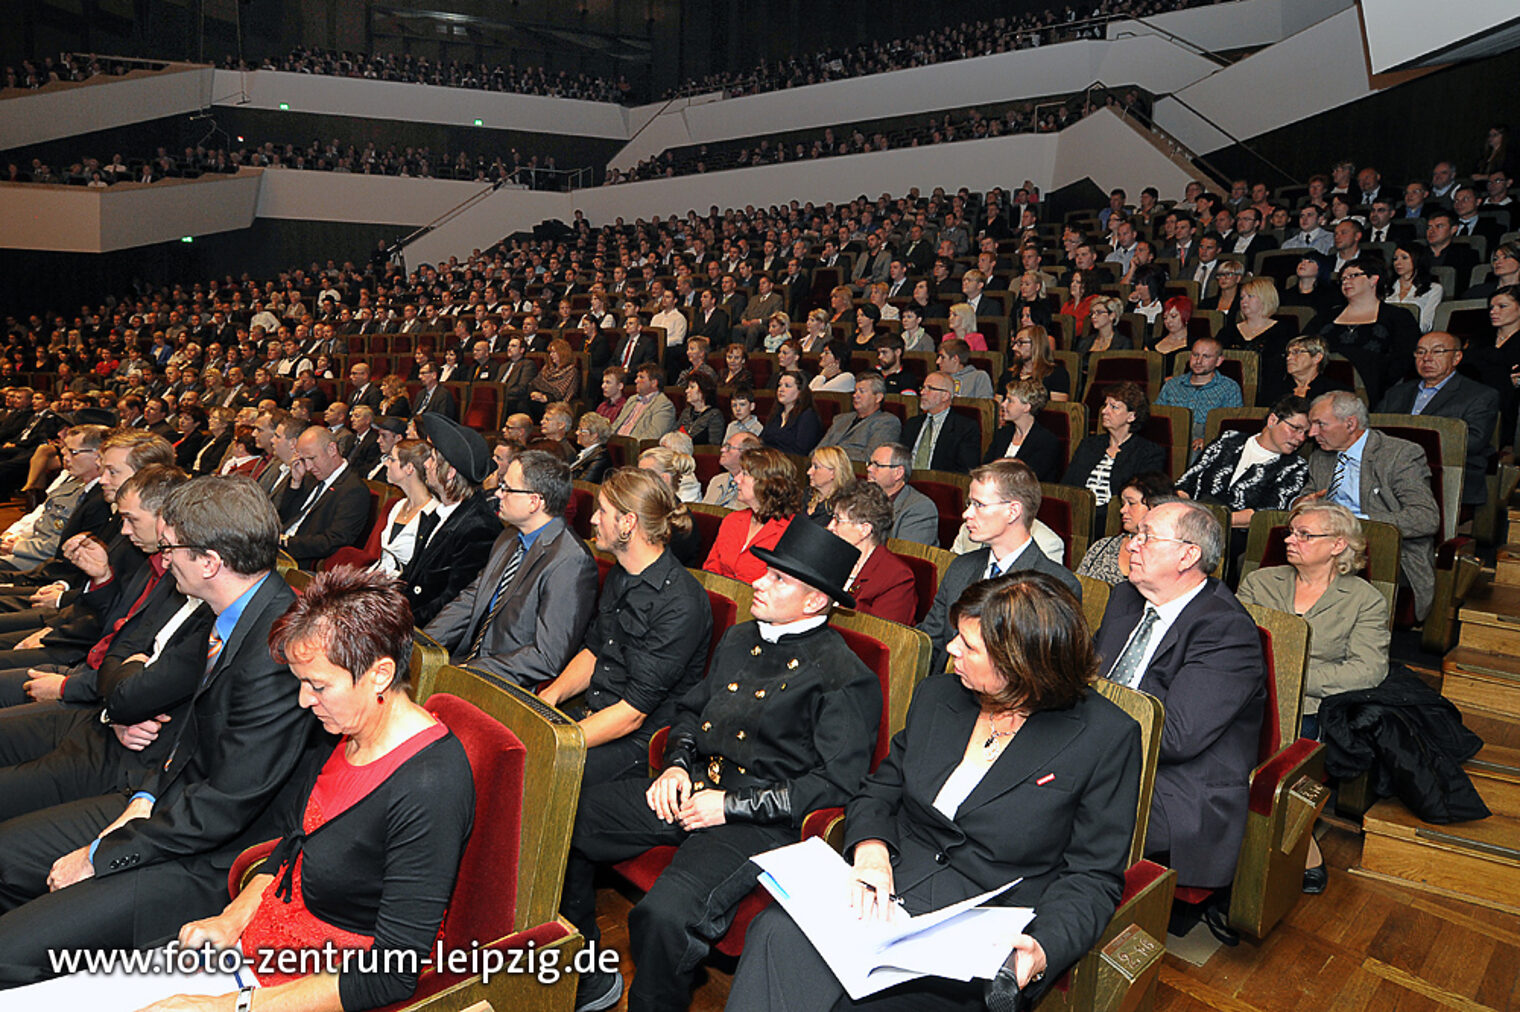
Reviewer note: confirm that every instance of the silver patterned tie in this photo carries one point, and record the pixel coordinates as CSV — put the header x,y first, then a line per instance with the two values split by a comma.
x,y
498,599
1126,670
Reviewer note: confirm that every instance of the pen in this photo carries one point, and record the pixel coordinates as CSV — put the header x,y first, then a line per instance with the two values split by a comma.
x,y
872,890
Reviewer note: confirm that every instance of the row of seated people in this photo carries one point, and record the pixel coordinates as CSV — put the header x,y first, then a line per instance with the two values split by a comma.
x,y
321,453
219,691
417,162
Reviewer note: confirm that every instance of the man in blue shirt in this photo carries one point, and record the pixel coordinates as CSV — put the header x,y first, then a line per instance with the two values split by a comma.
x,y
1202,388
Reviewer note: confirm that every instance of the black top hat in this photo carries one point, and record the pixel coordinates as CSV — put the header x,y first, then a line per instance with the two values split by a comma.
x,y
95,416
815,556
462,447
394,424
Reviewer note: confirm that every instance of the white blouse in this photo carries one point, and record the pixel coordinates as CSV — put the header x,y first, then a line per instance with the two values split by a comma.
x,y
398,542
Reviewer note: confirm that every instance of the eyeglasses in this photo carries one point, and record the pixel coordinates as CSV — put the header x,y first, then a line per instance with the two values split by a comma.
x,y
1432,352
939,390
74,453
1142,536
189,548
978,505
876,464
1349,275
1297,534
518,491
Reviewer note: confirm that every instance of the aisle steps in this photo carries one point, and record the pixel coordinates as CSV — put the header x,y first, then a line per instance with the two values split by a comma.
x,y
1478,861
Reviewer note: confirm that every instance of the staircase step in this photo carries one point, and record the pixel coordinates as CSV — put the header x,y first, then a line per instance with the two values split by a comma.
x,y
1507,566
1495,772
1491,619
1482,681
1478,861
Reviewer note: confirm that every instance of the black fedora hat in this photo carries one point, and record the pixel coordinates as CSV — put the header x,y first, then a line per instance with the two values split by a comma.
x,y
815,556
462,447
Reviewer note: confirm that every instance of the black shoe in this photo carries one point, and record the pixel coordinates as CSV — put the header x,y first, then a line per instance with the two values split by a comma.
x,y
1315,880
597,991
1217,919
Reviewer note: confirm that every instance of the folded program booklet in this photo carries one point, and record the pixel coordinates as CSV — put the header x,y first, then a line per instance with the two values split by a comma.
x,y
963,941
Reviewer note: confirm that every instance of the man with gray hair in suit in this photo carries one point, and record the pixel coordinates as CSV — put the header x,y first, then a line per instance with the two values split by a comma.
x,y
1376,477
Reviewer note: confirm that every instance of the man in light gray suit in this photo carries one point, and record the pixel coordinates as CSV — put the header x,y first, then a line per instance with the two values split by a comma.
x,y
648,414
525,614
1377,477
859,432
1003,503
914,515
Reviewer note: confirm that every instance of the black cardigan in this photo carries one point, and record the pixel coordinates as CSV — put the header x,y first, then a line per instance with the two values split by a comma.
x,y
386,866
1136,456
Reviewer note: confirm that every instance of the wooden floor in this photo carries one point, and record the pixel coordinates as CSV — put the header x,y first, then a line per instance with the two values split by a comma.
x,y
1362,945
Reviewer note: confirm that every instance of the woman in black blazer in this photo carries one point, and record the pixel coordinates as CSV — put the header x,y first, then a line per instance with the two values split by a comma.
x,y
593,461
984,749
1021,436
1103,463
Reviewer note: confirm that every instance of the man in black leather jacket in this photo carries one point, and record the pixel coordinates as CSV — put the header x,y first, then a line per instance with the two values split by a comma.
x,y
785,722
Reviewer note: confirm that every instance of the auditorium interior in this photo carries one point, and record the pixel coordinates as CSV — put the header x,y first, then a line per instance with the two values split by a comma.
x,y
200,188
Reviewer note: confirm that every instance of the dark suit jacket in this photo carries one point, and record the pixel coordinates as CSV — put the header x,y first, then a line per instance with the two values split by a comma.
x,y
644,351
443,564
543,621
84,612
370,398
1461,258
1041,450
1208,672
594,468
339,519
963,571
438,399
1259,243
1475,403
210,454
244,735
515,379
959,447
1070,779
365,453
714,327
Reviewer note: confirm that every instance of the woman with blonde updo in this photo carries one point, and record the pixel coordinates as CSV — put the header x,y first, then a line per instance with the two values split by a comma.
x,y
677,468
647,644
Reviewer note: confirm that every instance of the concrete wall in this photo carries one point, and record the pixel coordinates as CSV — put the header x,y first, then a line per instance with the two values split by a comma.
x,y
419,103
1318,69
1400,32
61,111
1149,61
1102,147
337,196
78,220
1235,25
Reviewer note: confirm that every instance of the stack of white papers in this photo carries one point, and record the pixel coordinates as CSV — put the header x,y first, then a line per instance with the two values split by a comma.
x,y
964,941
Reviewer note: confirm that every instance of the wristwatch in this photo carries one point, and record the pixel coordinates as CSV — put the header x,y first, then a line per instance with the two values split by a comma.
x,y
245,999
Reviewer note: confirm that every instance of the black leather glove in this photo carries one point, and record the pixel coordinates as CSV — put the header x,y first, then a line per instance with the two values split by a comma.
x,y
1002,993
758,804
681,750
